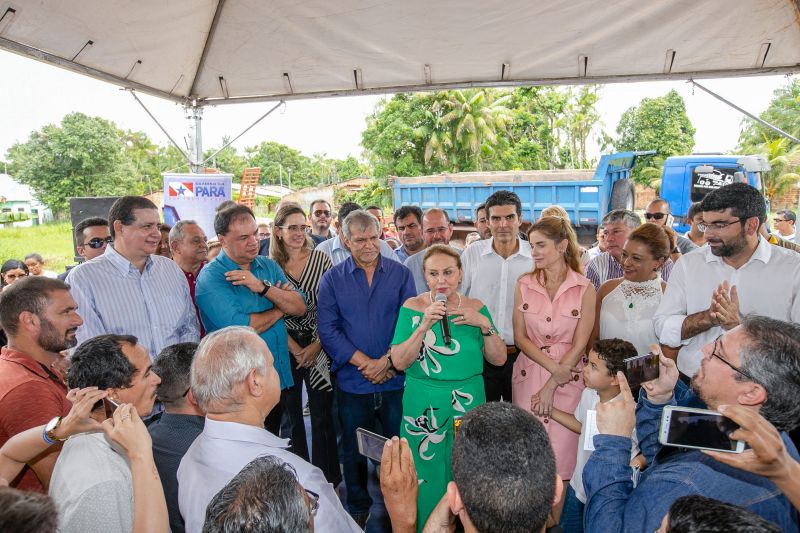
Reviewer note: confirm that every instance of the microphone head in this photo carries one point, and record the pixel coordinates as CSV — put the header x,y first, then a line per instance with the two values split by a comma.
x,y
440,298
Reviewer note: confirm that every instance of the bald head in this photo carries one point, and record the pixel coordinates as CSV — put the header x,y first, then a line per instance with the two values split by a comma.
x,y
436,227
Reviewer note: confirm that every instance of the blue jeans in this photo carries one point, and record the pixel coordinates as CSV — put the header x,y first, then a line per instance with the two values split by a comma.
x,y
364,410
572,515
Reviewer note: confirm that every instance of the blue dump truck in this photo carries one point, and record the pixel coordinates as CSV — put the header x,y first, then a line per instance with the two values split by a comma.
x,y
586,195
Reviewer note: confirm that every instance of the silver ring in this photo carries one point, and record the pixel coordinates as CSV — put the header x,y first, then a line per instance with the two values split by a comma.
x,y
125,417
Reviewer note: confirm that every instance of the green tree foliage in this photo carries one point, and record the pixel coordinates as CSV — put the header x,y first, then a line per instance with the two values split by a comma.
x,y
659,124
783,111
481,129
228,161
783,155
83,156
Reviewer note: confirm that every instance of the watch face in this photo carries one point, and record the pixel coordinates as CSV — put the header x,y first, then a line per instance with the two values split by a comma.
x,y
52,424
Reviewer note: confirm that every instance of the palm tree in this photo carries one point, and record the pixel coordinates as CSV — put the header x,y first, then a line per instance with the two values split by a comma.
x,y
466,127
784,158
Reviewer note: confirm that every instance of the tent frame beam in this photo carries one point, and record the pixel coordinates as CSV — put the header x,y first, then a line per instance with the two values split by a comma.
x,y
40,55
746,113
212,30
46,57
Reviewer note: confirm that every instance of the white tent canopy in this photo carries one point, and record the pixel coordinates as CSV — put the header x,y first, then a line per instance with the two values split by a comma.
x,y
254,50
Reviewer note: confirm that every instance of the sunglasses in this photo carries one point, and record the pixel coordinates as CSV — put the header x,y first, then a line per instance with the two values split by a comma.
x,y
320,212
657,216
98,242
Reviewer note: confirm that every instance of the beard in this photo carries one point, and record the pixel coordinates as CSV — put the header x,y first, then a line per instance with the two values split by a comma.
x,y
52,340
730,248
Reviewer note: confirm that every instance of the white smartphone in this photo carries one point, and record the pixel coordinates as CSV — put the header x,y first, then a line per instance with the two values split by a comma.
x,y
701,429
370,444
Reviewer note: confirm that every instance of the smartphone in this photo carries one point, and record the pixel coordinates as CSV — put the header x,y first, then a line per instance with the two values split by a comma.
x,y
640,369
110,406
702,429
370,444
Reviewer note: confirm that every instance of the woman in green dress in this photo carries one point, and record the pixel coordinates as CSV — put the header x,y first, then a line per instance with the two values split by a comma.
x,y
443,381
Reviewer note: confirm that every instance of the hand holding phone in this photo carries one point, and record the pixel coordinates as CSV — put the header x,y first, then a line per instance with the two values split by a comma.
x,y
659,390
641,368
700,429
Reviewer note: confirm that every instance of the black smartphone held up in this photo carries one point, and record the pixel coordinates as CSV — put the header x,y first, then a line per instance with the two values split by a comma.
x,y
640,369
703,429
370,444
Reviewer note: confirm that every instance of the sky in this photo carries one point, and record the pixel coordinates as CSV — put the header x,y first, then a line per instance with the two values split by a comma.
x,y
34,94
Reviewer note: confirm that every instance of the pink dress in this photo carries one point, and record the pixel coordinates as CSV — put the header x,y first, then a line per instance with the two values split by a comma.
x,y
551,326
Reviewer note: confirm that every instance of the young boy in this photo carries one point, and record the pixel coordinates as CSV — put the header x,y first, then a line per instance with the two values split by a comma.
x,y
600,376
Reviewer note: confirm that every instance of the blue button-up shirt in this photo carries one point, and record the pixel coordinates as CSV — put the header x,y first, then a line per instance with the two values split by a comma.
x,y
352,315
612,504
154,305
223,304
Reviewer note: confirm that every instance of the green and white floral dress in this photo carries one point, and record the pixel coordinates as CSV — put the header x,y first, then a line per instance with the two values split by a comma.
x,y
442,384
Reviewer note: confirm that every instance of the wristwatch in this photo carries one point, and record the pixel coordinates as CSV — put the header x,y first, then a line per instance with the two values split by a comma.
x,y
49,434
491,331
267,285
389,359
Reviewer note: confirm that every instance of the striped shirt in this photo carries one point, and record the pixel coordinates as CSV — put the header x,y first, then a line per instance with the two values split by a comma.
x,y
154,305
318,263
604,267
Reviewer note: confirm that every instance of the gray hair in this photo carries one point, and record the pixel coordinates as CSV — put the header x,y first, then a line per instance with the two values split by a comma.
x,y
176,234
629,218
223,361
264,496
772,357
359,220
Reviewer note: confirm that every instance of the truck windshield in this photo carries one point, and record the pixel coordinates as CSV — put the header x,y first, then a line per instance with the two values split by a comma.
x,y
705,182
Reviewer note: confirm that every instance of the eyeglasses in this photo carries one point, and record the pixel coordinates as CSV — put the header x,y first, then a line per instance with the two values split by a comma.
x,y
657,216
294,228
717,226
735,369
313,501
98,242
320,212
776,220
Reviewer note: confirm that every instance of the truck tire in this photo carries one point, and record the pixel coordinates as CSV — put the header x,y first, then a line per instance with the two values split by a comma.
x,y
623,195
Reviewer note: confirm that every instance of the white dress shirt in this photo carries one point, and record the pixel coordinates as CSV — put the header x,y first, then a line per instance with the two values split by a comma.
x,y
154,305
768,284
492,280
223,449
338,253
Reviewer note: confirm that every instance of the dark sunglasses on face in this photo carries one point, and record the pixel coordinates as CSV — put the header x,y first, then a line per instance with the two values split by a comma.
x,y
657,216
98,242
320,212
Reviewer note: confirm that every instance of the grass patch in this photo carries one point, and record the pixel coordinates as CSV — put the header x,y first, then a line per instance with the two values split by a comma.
x,y
52,241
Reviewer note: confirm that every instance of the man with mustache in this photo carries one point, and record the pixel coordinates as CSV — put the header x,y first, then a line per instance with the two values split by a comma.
x,y
40,318
737,274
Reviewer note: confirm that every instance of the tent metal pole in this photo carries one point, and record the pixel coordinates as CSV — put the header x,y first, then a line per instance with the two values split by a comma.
x,y
159,125
195,115
752,116
262,117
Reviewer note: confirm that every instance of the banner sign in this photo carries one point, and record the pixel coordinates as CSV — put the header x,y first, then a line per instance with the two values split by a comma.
x,y
195,197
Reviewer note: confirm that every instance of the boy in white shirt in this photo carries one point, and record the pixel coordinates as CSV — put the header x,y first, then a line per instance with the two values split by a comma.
x,y
600,377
